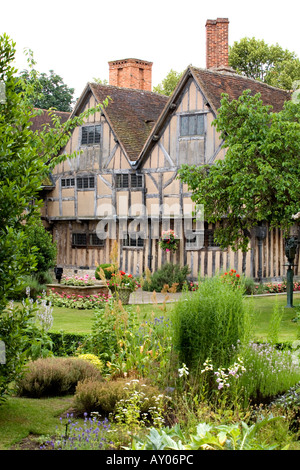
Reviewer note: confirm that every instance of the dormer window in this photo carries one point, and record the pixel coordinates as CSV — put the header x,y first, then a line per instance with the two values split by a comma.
x,y
90,135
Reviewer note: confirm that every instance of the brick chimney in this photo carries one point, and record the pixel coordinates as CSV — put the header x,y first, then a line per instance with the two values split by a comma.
x,y
131,73
217,43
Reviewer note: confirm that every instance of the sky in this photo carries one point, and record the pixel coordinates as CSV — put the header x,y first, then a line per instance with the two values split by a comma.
x,y
78,39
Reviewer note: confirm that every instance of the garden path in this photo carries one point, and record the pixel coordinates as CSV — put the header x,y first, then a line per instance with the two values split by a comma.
x,y
143,297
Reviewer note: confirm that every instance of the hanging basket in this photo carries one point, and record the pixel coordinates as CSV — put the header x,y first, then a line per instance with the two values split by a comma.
x,y
169,242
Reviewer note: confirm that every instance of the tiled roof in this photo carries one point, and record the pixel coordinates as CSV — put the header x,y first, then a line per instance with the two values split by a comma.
x,y
132,114
214,83
39,121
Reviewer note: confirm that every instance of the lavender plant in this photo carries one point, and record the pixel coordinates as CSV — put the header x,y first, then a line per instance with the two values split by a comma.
x,y
92,434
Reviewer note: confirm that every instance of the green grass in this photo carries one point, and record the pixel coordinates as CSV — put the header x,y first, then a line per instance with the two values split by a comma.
x,y
263,311
72,320
80,321
21,417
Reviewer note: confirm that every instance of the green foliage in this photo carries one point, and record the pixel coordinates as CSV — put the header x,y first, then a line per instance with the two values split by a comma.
x,y
55,376
107,268
269,372
215,320
270,64
26,158
207,437
66,344
259,178
168,274
124,399
51,91
44,248
167,86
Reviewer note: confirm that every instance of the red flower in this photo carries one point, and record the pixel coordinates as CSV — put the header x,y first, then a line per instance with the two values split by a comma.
x,y
237,275
122,272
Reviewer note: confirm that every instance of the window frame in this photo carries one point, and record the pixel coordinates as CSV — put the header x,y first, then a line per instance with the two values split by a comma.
x,y
87,128
63,182
89,243
120,177
89,178
189,116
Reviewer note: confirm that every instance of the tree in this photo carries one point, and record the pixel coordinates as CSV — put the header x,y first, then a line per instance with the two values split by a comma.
x,y
270,64
26,158
40,242
167,86
52,92
259,178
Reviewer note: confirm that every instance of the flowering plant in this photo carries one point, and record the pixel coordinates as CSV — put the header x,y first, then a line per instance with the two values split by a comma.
x,y
78,281
169,241
121,279
232,277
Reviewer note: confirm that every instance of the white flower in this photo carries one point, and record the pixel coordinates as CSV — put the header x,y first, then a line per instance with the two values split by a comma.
x,y
183,371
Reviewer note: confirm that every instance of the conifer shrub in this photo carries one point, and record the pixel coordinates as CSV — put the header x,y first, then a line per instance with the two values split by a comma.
x,y
55,376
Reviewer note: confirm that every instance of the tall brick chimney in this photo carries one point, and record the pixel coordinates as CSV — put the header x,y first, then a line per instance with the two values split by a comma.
x,y
217,43
131,73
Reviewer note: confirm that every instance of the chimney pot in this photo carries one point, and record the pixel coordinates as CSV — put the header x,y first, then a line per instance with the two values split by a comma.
x,y
217,43
131,73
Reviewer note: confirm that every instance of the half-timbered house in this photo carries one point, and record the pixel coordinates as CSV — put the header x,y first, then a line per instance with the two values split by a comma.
x,y
123,184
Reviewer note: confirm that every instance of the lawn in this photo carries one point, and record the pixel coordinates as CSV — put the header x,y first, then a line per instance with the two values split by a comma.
x,y
22,417
80,321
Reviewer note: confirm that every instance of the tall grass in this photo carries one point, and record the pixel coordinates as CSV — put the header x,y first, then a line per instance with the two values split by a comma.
x,y
208,322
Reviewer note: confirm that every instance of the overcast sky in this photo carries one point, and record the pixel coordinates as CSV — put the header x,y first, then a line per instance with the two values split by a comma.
x,y
77,39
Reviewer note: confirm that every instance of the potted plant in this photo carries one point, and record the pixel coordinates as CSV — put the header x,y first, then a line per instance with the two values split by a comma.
x,y
168,241
122,285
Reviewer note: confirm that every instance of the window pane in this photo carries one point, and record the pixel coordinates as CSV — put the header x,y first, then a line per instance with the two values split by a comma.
x,y
192,125
92,182
97,134
184,125
125,181
133,181
79,183
84,136
79,239
200,124
63,182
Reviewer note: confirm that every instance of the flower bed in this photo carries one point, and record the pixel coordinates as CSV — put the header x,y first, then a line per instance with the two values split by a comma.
x,y
78,281
64,299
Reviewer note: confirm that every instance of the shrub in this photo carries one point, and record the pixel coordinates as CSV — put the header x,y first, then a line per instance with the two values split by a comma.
x,y
107,269
92,359
208,322
169,274
55,376
105,397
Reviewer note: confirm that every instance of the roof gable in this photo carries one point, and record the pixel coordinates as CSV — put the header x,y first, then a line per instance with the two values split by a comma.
x,y
215,82
131,113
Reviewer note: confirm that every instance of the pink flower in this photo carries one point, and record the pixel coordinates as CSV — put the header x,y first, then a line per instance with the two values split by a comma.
x,y
167,250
